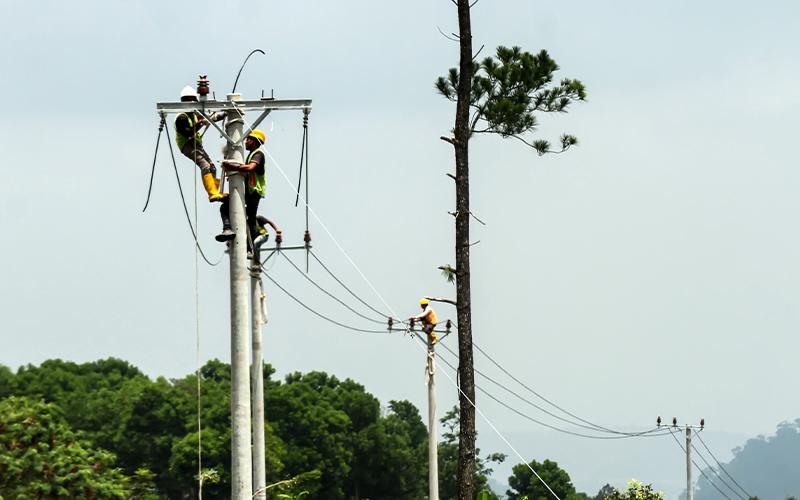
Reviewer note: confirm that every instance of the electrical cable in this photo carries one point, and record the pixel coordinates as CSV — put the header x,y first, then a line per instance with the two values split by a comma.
x,y
345,286
649,433
677,441
329,294
515,379
722,467
236,82
183,200
712,469
153,168
326,318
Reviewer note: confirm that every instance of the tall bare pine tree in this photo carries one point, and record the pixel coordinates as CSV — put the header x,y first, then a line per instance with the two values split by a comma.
x,y
500,95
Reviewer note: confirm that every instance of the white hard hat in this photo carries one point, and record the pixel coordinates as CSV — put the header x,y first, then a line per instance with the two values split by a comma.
x,y
188,92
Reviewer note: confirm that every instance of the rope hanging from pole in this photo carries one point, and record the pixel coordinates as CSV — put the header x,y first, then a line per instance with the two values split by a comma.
x,y
161,125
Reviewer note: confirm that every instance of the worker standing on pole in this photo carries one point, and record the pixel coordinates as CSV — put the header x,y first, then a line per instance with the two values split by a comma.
x,y
428,319
256,186
190,143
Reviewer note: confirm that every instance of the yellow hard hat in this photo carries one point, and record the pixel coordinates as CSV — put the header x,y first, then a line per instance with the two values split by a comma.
x,y
258,135
423,302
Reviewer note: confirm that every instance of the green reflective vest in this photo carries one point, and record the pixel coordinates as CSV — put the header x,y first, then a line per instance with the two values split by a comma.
x,y
256,182
183,139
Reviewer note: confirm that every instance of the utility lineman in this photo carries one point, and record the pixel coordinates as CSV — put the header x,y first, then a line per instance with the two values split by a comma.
x,y
255,185
428,318
190,143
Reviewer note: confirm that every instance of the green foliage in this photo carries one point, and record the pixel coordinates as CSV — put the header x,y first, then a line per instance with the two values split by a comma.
x,y
510,89
315,422
41,457
636,491
448,460
524,483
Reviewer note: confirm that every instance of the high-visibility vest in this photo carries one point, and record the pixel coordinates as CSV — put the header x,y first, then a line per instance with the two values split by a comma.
x,y
430,318
255,181
181,139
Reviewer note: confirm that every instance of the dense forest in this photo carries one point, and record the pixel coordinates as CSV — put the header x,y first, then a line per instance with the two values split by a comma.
x,y
106,430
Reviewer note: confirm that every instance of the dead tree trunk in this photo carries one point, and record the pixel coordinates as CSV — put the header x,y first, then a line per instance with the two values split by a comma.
x,y
466,444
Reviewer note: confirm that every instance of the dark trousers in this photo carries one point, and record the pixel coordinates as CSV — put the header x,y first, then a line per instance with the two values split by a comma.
x,y
250,209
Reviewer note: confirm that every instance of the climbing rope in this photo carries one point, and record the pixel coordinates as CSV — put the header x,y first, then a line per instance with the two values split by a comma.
x,y
197,350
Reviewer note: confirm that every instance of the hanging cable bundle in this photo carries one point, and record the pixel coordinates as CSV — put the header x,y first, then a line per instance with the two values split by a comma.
x,y
161,125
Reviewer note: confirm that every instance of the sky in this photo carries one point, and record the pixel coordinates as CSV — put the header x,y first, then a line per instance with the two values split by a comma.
x,y
652,270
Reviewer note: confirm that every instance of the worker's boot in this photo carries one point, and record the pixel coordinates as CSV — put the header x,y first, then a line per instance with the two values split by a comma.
x,y
434,338
227,234
212,187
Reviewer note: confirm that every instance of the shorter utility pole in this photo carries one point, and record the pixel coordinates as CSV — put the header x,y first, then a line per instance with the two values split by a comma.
x,y
433,447
689,489
258,318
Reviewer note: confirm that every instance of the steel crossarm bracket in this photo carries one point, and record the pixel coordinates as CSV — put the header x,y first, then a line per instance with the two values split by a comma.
x,y
259,105
256,123
213,124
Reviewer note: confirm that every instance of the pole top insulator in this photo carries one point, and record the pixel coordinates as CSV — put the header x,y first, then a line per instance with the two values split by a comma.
x,y
203,86
307,237
278,237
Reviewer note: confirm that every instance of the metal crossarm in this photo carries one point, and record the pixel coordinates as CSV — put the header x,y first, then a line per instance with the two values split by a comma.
x,y
259,105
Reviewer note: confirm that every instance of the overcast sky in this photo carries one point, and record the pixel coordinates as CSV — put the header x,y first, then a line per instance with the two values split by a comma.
x,y
651,270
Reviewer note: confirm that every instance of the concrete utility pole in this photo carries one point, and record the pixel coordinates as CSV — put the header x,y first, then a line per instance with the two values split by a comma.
x,y
259,318
242,469
433,448
241,466
689,490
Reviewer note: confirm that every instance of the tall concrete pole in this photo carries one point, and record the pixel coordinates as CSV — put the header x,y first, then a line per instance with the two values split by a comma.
x,y
689,491
257,377
433,455
241,465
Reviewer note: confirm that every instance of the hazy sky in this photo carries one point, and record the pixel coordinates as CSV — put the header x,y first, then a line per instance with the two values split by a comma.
x,y
651,270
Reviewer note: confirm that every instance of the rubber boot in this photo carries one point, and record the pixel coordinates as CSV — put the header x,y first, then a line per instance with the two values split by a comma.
x,y
212,187
434,338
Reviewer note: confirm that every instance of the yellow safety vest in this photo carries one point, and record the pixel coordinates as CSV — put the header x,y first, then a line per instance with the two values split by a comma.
x,y
256,182
181,139
430,318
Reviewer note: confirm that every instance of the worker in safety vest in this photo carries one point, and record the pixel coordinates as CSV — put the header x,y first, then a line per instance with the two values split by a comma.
x,y
428,319
255,186
190,143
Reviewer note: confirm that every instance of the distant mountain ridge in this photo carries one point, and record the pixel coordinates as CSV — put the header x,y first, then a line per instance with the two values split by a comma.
x,y
765,467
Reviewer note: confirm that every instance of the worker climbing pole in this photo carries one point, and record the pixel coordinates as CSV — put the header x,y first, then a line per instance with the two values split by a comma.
x,y
247,179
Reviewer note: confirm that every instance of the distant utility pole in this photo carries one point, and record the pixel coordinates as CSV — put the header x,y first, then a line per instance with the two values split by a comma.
x,y
234,133
688,451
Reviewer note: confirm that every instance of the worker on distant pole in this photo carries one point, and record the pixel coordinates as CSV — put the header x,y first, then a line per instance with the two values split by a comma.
x,y
190,143
428,319
256,186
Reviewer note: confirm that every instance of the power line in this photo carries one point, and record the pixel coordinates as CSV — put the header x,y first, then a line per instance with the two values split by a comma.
x,y
345,286
329,294
722,467
532,391
683,448
326,318
715,472
649,433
